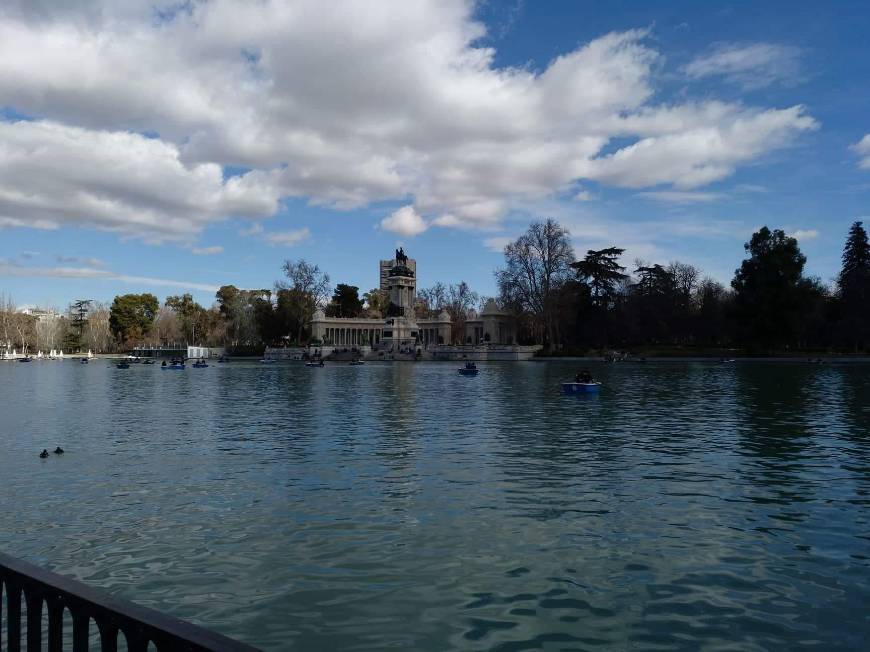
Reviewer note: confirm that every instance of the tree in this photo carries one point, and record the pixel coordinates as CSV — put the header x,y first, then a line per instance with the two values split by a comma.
x,y
167,327
345,302
460,298
537,264
193,318
712,301
237,310
132,315
853,287
376,302
435,297
602,274
78,312
768,289
310,288
97,334
7,313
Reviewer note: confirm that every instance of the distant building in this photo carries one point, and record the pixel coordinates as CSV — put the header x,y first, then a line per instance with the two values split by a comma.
x,y
41,314
399,333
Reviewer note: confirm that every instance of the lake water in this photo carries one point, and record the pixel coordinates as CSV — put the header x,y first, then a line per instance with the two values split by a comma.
x,y
402,506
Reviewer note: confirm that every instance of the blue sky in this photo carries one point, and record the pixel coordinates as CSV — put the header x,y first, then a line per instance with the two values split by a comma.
x,y
147,148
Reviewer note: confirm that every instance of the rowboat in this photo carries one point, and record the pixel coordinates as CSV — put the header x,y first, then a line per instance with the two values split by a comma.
x,y
580,388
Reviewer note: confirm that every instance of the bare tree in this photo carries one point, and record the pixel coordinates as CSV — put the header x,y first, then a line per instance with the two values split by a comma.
x,y
310,290
685,280
7,312
97,330
167,327
459,300
537,264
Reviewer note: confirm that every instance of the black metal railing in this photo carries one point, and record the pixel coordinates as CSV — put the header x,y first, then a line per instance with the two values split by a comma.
x,y
139,625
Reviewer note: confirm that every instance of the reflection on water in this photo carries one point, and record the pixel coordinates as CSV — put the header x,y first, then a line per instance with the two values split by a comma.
x,y
405,506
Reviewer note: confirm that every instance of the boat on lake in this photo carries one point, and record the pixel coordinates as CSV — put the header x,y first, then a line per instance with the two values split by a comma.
x,y
26,358
356,363
470,369
581,388
268,361
223,358
123,365
83,361
318,363
174,365
202,364
149,361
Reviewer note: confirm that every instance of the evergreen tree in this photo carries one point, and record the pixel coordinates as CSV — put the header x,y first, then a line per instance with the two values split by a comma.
x,y
769,289
602,273
853,285
345,302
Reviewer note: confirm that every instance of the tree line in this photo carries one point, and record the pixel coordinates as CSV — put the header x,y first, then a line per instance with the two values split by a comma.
x,y
242,320
568,304
595,302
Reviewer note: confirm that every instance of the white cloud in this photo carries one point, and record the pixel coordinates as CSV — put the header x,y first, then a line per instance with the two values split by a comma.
x,y
53,174
497,243
862,147
288,238
207,251
407,222
23,271
681,196
750,65
804,234
255,229
286,89
584,195
90,262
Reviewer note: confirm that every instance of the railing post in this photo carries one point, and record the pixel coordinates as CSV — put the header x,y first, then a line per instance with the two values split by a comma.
x,y
136,639
55,624
80,620
33,596
13,617
108,635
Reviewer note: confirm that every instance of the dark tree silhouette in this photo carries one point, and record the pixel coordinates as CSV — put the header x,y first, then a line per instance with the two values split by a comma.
x,y
601,272
537,265
769,288
345,302
853,288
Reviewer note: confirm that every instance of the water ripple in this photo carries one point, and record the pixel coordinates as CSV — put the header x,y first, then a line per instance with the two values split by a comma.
x,y
400,506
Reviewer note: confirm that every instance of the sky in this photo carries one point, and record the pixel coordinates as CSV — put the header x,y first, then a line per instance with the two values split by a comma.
x,y
174,147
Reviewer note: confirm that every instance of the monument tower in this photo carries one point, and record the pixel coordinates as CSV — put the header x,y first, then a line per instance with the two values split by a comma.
x,y
400,327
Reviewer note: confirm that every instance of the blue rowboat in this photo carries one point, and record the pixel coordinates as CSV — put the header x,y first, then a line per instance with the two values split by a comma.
x,y
581,388
200,365
176,366
123,365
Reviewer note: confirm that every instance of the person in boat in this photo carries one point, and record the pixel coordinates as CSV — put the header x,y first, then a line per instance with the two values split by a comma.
x,y
164,364
584,377
470,365
58,451
44,453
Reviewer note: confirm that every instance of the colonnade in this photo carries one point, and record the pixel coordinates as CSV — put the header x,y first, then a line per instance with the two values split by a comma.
x,y
353,336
